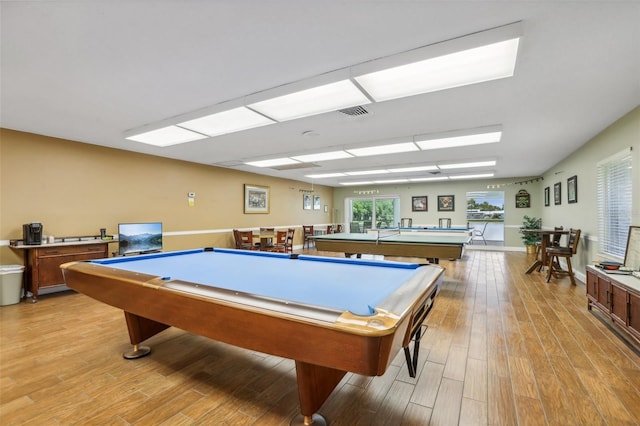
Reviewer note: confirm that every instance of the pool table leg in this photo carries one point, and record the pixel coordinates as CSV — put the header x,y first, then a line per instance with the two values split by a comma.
x,y
315,384
140,329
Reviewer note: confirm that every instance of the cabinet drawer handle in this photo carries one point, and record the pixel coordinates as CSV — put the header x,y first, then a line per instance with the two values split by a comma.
x,y
95,249
52,251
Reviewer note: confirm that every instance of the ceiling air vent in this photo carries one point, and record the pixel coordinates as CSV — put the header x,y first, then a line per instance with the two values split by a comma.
x,y
355,111
295,166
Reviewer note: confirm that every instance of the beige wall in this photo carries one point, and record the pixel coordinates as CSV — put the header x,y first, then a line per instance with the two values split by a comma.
x,y
75,189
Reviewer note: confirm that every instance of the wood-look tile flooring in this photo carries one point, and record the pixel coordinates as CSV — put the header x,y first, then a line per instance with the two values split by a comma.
x,y
502,348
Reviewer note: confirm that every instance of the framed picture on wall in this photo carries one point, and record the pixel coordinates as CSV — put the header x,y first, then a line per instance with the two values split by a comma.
x,y
572,189
523,199
307,201
256,199
316,202
557,193
446,203
419,204
547,196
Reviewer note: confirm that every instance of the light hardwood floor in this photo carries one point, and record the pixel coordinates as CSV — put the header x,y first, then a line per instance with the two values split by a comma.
x,y
502,348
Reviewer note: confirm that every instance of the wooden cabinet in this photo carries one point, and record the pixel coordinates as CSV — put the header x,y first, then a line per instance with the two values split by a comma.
x,y
42,262
617,296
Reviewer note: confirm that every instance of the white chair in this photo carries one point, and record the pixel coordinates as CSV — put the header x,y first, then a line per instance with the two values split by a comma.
x,y
405,222
444,222
480,233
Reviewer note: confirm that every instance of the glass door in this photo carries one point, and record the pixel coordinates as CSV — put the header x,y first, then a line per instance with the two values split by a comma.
x,y
485,214
372,213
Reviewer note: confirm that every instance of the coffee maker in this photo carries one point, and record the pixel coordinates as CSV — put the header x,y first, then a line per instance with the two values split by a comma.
x,y
32,233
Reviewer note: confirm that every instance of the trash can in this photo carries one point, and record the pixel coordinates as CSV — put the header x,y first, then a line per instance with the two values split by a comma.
x,y
10,284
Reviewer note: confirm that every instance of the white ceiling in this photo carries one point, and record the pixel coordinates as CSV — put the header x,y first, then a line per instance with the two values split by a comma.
x,y
90,70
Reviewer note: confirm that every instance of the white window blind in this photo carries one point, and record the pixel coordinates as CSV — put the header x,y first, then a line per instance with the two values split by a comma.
x,y
614,203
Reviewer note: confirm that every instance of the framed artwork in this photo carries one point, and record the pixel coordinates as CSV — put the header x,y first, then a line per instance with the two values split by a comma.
x,y
572,189
307,201
316,202
446,203
523,199
419,204
557,193
256,199
547,196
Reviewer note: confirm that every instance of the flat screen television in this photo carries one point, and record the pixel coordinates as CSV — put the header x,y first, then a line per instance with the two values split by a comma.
x,y
139,238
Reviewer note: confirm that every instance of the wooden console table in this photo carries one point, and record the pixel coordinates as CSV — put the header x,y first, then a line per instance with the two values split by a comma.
x,y
616,296
42,261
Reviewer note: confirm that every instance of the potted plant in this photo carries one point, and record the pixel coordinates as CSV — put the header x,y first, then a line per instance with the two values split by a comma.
x,y
530,239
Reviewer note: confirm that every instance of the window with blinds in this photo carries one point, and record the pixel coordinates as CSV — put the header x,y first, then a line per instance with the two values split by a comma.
x,y
614,203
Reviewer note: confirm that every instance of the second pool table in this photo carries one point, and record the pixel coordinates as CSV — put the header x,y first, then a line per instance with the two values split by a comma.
x,y
330,315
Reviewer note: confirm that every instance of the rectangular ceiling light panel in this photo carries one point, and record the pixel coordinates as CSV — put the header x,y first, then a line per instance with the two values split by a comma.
x,y
170,135
383,149
272,163
414,169
467,165
233,120
455,141
317,100
485,63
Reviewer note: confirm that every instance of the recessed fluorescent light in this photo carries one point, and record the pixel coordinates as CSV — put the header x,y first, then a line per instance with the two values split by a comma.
x,y
485,63
233,120
322,156
428,179
317,100
467,165
391,181
355,183
366,172
166,136
272,163
450,142
482,175
413,169
383,149
325,175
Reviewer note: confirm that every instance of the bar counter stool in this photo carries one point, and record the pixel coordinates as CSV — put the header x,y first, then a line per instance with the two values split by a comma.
x,y
554,253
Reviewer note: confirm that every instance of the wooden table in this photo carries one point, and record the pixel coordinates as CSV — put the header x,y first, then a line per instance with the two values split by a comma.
x,y
266,238
545,237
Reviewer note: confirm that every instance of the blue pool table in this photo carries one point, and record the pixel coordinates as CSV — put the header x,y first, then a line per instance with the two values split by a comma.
x,y
330,315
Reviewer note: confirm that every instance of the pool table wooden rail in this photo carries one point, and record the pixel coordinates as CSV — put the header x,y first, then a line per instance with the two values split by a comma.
x,y
323,351
389,248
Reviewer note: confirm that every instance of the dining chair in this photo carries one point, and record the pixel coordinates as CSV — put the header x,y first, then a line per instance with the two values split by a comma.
x,y
339,228
329,229
307,234
288,244
555,253
444,222
354,227
280,243
243,239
